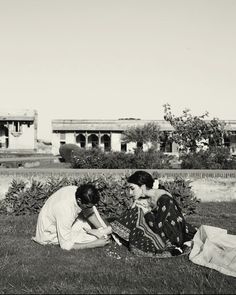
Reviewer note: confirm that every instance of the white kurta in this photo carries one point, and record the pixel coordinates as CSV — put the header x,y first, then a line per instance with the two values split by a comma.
x,y
56,219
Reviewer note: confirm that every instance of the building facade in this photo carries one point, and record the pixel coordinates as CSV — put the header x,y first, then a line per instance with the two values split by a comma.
x,y
18,130
107,134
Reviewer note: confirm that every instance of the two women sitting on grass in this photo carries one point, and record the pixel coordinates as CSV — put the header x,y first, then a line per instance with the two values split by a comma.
x,y
153,226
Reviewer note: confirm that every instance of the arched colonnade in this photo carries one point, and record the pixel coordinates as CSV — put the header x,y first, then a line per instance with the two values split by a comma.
x,y
93,140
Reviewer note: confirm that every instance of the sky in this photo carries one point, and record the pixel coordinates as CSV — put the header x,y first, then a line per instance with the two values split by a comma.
x,y
110,59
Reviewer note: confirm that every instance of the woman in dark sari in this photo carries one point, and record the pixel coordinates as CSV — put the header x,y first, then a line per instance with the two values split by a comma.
x,y
155,225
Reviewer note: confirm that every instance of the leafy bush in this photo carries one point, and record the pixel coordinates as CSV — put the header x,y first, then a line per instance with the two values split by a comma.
x,y
181,191
151,159
28,198
118,160
92,158
95,158
66,149
213,158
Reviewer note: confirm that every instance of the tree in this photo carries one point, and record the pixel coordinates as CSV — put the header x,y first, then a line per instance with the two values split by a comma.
x,y
148,133
194,132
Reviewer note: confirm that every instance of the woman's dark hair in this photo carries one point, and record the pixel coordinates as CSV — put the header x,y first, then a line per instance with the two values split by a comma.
x,y
140,178
87,194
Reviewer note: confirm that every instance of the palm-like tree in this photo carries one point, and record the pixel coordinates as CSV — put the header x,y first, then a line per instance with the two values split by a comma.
x,y
147,134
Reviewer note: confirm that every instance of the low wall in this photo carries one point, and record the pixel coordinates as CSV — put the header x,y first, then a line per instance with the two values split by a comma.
x,y
208,185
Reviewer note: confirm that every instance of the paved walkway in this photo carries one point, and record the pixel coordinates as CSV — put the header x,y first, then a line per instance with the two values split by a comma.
x,y
33,158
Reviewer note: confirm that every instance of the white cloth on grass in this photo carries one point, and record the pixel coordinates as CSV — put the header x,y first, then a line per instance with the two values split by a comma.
x,y
56,221
214,248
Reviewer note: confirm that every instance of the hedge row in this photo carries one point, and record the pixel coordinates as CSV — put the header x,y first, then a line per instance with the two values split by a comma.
x,y
95,158
28,197
212,158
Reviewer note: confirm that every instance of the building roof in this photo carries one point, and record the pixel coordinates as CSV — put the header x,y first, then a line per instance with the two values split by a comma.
x,y
17,115
115,125
230,125
104,125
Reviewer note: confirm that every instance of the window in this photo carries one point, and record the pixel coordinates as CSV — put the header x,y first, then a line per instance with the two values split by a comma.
x,y
123,147
107,142
166,142
80,139
227,141
166,147
140,145
16,126
93,140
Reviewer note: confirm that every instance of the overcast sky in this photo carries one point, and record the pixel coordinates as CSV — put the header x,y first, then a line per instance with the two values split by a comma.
x,y
108,59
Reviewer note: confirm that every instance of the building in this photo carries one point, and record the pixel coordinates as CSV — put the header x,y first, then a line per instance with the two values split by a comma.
x,y
107,134
231,141
18,131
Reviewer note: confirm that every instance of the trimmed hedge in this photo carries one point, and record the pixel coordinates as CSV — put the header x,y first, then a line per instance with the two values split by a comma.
x,y
212,158
28,197
95,158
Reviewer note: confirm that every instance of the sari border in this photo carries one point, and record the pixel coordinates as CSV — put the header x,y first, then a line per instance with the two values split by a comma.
x,y
155,238
120,230
138,252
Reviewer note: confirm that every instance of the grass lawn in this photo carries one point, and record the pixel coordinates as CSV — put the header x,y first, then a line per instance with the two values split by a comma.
x,y
28,268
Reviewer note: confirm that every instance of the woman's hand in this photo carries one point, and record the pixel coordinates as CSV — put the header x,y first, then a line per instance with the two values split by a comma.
x,y
144,204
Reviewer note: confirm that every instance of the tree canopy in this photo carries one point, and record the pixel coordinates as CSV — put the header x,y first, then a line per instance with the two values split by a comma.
x,y
148,133
193,132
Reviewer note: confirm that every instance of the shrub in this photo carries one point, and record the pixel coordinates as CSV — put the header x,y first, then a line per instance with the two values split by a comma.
x,y
65,151
118,160
213,158
92,158
181,191
95,158
151,159
28,198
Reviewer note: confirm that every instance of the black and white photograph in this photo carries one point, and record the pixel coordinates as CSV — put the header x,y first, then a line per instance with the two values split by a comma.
x,y
118,146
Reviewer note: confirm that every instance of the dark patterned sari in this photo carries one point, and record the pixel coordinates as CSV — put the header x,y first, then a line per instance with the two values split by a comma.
x,y
156,233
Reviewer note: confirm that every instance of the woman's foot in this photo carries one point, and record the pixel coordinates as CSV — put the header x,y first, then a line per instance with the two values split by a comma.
x,y
99,232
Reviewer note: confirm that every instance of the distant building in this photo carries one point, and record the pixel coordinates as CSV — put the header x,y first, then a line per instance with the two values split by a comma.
x,y
18,130
107,134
